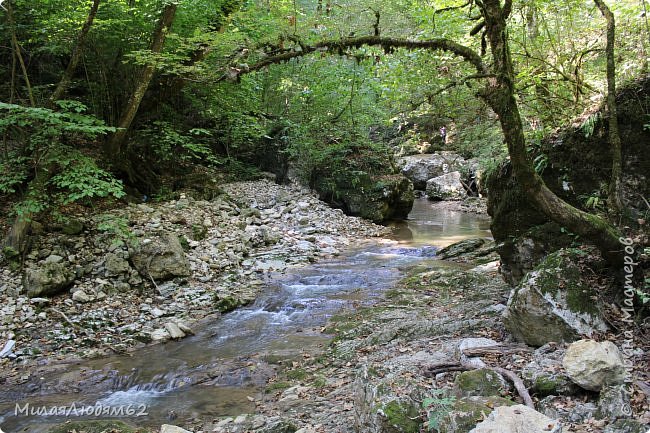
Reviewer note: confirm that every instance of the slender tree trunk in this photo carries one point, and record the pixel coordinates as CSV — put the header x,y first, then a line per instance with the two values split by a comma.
x,y
114,146
77,51
18,53
500,95
615,199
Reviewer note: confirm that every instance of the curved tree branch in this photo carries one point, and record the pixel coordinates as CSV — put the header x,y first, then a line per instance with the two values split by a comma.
x,y
338,45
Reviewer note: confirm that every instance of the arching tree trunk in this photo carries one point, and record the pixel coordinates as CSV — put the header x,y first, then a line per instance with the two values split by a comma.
x,y
614,196
77,51
500,95
114,145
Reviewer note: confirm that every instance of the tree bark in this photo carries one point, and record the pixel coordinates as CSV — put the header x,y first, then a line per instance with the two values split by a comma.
x,y
115,144
75,57
500,96
18,53
615,199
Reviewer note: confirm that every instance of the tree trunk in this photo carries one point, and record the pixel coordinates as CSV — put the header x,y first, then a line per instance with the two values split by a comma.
x,y
75,57
18,53
115,144
500,96
615,200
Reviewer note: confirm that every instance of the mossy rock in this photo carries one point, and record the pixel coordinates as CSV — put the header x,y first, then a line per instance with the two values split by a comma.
x,y
400,417
553,303
481,382
72,227
99,426
226,304
468,411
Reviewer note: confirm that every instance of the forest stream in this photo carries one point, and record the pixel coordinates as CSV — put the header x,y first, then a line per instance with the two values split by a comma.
x,y
223,368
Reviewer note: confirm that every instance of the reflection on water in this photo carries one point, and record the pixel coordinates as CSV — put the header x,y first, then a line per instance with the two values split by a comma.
x,y
215,372
432,223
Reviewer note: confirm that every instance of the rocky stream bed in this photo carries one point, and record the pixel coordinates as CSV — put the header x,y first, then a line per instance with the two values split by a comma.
x,y
335,332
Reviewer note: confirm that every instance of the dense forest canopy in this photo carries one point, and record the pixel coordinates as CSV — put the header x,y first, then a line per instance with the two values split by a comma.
x,y
106,94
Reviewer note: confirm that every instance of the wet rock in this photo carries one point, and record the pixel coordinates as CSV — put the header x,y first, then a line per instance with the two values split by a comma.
x,y
614,402
383,198
553,303
47,279
480,382
166,428
459,248
593,365
446,187
161,259
516,419
420,168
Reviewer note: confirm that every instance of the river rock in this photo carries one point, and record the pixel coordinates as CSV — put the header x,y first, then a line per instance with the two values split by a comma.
x,y
7,349
161,259
593,365
81,296
420,168
72,227
459,248
446,187
569,411
175,332
517,419
47,279
553,303
166,428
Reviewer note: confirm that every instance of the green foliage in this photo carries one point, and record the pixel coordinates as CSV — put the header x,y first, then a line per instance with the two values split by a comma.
x,y
436,407
589,124
59,173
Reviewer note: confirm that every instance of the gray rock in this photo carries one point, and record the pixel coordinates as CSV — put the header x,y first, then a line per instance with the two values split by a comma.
x,y
161,259
614,402
72,227
7,349
54,259
446,187
480,382
552,304
459,248
592,365
81,297
557,408
166,428
625,426
420,168
48,279
174,331
517,419
116,265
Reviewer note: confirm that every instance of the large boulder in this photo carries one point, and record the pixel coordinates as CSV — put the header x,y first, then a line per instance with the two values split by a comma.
x,y
517,419
420,168
465,412
446,187
553,303
47,279
161,258
593,365
384,198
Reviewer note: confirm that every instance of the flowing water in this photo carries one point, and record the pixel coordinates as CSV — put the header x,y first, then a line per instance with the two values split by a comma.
x,y
216,372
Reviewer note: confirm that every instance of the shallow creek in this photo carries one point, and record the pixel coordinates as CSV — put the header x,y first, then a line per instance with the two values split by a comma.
x,y
221,369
